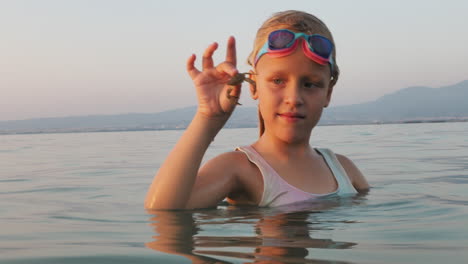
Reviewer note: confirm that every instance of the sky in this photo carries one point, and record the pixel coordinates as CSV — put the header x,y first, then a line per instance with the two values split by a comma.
x,y
84,57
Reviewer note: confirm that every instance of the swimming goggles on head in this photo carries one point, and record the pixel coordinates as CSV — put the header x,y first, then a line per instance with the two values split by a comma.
x,y
283,42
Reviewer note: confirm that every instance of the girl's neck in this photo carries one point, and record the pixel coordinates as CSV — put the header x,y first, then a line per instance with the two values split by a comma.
x,y
283,150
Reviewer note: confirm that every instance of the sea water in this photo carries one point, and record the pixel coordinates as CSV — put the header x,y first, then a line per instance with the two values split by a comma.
x,y
78,198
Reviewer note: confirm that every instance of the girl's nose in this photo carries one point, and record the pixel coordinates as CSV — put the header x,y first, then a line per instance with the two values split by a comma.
x,y
293,94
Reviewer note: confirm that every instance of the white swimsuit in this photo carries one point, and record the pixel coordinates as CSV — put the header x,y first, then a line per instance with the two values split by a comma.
x,y
276,191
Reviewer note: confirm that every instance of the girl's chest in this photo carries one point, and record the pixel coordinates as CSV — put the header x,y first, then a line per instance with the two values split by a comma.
x,y
313,177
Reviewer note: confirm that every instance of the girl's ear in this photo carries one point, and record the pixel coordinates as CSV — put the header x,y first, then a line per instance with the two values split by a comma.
x,y
253,85
329,93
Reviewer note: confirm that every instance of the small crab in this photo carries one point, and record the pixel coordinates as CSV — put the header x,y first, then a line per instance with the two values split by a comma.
x,y
239,78
229,96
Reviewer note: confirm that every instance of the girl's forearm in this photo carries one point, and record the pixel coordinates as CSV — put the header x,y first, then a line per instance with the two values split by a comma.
x,y
173,183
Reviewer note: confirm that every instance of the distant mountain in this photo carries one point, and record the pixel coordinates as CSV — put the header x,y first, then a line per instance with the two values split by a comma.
x,y
406,105
173,119
413,104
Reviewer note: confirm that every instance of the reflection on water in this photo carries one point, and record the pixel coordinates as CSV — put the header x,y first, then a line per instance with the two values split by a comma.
x,y
78,198
279,235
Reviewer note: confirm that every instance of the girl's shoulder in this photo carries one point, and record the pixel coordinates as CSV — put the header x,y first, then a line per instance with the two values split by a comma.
x,y
236,160
238,163
248,176
355,175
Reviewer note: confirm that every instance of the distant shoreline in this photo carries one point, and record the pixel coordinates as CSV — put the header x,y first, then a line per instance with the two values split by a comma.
x,y
103,130
411,105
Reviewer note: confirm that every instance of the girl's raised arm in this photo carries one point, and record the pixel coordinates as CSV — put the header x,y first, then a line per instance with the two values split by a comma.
x,y
174,182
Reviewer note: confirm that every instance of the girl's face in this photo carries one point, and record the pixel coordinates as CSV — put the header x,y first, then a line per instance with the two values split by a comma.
x,y
292,92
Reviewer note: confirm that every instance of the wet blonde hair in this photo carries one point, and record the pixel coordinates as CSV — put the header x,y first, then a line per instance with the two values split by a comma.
x,y
297,21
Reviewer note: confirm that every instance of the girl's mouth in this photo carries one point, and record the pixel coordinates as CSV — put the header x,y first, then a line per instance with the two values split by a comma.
x,y
291,116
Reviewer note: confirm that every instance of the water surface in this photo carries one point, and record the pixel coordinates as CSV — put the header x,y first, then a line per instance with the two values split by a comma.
x,y
78,198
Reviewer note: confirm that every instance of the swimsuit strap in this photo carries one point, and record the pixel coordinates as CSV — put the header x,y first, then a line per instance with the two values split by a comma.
x,y
344,183
270,182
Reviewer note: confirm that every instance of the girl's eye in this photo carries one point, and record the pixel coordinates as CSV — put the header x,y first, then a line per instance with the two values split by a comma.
x,y
309,85
277,81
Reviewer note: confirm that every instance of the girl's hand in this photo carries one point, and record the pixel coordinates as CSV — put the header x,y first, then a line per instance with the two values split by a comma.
x,y
216,99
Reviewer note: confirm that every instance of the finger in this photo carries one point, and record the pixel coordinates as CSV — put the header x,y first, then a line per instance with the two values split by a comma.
x,y
235,91
207,60
192,71
228,68
231,55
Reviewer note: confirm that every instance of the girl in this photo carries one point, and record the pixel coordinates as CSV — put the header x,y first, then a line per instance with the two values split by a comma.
x,y
294,72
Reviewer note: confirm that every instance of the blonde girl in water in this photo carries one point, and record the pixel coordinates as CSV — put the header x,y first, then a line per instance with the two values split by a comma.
x,y
293,73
